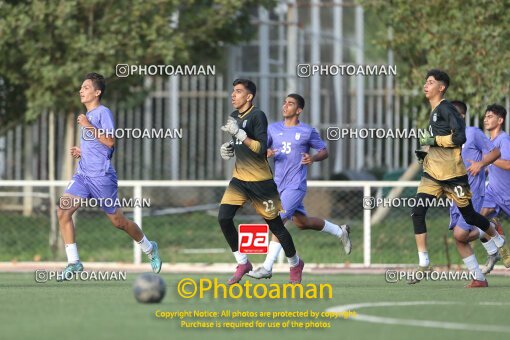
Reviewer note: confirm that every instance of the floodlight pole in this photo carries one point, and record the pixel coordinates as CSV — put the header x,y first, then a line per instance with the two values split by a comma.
x,y
360,85
292,46
337,81
315,56
263,86
137,217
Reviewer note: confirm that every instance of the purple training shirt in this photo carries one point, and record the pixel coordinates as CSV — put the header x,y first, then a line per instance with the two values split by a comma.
x,y
95,156
291,143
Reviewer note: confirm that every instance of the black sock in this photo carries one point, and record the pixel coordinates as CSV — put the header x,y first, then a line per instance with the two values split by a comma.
x,y
282,234
473,218
226,220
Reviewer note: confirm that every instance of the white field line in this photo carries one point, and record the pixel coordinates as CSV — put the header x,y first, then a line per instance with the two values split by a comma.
x,y
413,322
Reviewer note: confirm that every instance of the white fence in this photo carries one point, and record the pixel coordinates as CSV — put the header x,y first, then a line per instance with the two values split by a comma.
x,y
368,188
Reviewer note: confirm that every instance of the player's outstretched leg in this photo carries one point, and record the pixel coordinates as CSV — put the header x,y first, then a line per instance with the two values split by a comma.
x,y
226,220
489,228
282,234
462,238
150,248
65,221
304,222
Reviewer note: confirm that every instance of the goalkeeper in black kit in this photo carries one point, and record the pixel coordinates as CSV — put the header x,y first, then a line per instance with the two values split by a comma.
x,y
444,172
252,180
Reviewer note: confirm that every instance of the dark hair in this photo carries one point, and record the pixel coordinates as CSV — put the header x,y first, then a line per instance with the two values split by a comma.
x,y
440,76
499,110
98,82
300,100
460,106
248,84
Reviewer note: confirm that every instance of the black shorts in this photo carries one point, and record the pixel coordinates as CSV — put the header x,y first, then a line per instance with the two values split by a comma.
x,y
263,195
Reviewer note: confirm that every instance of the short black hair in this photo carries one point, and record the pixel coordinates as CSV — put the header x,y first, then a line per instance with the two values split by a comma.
x,y
439,76
97,81
460,106
300,100
498,110
248,84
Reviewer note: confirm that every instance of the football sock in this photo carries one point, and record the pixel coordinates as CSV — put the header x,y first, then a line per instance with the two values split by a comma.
x,y
490,247
498,240
240,258
282,234
473,218
72,253
272,255
482,234
146,245
226,220
293,261
332,229
473,267
424,258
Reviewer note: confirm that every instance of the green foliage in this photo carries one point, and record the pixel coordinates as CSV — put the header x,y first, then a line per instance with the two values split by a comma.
x,y
468,39
46,47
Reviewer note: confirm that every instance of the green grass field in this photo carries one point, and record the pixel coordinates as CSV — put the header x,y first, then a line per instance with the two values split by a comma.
x,y
107,310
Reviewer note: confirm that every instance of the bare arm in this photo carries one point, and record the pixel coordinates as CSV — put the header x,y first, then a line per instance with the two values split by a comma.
x,y
503,164
487,159
319,156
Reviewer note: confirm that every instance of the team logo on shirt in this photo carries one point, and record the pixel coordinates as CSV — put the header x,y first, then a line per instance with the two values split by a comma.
x,y
244,123
434,117
298,135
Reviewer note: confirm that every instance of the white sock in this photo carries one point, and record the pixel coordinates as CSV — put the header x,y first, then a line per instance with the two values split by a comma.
x,y
146,245
490,247
473,267
240,258
498,240
424,258
272,255
72,253
294,260
332,229
482,234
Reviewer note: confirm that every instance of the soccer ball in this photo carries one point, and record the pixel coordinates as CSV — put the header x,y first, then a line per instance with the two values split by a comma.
x,y
149,288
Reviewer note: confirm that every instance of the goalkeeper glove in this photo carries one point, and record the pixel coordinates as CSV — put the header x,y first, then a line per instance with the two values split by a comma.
x,y
227,151
420,154
428,139
232,128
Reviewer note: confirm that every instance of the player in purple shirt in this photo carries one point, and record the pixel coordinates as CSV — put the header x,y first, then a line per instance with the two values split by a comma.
x,y
95,177
477,152
497,193
289,142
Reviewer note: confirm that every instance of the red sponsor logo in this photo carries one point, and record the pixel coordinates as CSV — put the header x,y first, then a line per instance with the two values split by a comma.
x,y
253,238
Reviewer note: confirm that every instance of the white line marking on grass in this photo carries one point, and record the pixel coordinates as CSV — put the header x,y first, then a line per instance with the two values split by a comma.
x,y
495,303
412,322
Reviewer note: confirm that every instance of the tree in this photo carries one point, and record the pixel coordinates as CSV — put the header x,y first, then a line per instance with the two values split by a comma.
x,y
46,47
469,39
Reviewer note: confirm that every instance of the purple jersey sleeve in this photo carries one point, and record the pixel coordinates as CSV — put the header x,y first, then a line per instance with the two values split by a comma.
x,y
106,120
499,179
269,137
477,144
315,141
505,148
483,142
